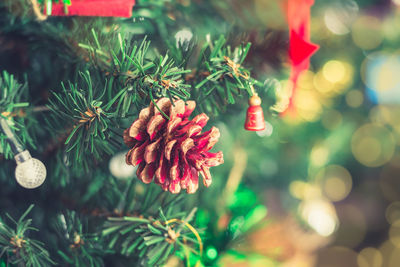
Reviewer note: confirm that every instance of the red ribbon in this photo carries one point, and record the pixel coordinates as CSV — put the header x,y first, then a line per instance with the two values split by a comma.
x,y
300,47
100,8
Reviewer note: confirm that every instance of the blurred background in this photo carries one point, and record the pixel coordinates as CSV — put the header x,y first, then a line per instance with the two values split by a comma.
x,y
328,175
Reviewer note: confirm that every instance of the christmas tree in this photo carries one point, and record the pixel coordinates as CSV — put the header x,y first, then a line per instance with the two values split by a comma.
x,y
195,133
104,117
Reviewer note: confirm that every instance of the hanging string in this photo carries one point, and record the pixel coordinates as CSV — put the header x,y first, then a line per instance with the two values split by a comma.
x,y
236,68
194,231
16,146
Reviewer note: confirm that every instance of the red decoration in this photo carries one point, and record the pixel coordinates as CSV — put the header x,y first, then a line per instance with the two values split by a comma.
x,y
172,151
300,47
255,116
100,8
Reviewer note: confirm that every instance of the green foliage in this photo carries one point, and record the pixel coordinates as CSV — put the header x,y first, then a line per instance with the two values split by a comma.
x,y
11,104
136,75
88,120
148,236
79,248
18,247
11,93
220,77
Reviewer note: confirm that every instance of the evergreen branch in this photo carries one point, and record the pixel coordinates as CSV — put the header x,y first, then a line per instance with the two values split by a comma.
x,y
86,118
220,77
20,249
152,239
79,248
134,73
141,226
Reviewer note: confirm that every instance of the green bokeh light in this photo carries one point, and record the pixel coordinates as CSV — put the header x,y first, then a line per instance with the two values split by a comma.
x,y
211,253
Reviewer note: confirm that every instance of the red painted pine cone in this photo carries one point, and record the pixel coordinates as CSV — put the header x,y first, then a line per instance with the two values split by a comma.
x,y
173,151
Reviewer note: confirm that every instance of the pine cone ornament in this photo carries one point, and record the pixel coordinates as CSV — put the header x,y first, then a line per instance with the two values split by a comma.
x,y
173,151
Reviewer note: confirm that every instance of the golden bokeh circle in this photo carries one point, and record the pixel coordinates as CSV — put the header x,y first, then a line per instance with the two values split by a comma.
x,y
370,257
354,98
388,115
319,155
373,145
367,33
322,84
336,182
308,105
334,71
387,249
394,233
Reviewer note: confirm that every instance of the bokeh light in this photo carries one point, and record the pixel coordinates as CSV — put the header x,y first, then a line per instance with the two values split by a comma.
x,y
392,213
334,71
387,249
386,114
339,72
303,190
307,105
394,258
119,168
370,257
320,215
366,32
390,253
322,84
354,98
381,77
269,129
373,145
319,155
339,17
336,182
211,253
394,233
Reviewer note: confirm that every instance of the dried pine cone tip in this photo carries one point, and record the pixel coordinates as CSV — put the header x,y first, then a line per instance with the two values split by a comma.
x,y
173,151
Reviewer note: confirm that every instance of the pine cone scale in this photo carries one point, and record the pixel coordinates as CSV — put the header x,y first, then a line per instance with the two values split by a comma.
x,y
201,120
172,124
187,145
155,124
168,148
150,154
161,172
137,154
136,130
147,173
174,170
